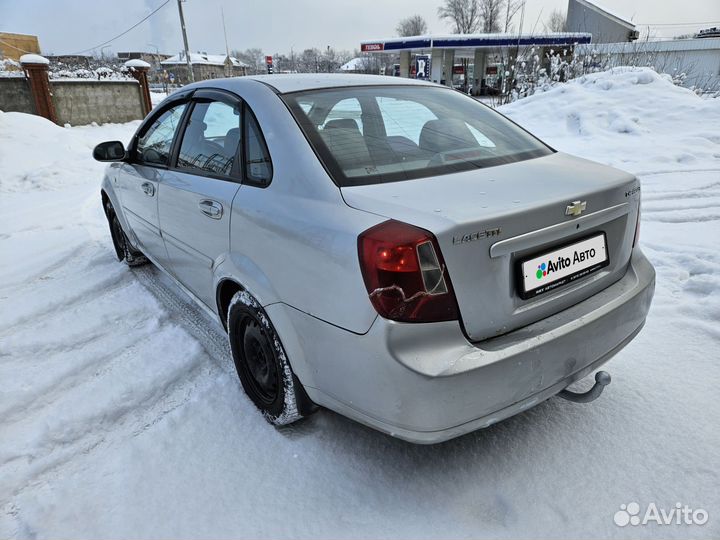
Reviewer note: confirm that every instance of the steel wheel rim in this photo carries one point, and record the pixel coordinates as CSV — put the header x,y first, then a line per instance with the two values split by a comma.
x,y
259,360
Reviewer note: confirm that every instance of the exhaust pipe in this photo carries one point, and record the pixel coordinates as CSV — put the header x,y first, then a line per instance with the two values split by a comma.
x,y
602,379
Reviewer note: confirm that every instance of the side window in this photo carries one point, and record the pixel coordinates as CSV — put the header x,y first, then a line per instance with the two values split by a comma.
x,y
346,114
154,145
258,166
211,138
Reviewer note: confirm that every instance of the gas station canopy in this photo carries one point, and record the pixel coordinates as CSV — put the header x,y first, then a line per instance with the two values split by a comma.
x,y
443,50
473,41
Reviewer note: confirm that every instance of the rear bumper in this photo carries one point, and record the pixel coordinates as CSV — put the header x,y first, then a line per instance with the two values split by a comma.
x,y
426,383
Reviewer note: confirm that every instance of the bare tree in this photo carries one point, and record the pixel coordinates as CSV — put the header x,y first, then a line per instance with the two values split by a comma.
x,y
490,15
556,22
414,25
464,15
511,9
254,58
309,61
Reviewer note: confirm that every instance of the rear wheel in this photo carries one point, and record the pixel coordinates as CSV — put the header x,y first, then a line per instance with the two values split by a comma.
x,y
262,364
123,249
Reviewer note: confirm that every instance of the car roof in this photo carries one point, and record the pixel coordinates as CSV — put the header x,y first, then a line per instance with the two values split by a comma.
x,y
296,82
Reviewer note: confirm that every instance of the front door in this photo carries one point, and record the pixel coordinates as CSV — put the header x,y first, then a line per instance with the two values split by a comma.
x,y
196,195
139,182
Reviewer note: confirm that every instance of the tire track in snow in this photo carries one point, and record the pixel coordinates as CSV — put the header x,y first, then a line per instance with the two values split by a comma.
x,y
208,332
116,394
693,204
52,390
690,272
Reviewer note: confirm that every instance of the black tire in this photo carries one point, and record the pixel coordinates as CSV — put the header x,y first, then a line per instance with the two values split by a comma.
x,y
262,364
123,249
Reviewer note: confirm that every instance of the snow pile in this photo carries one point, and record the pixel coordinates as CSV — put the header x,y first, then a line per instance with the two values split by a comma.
x,y
33,59
121,415
630,118
37,154
10,68
99,73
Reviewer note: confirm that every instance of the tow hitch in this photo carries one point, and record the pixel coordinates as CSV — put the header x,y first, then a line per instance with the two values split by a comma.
x,y
602,379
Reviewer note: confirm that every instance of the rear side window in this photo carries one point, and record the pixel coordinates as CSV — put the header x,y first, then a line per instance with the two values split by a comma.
x,y
345,114
153,147
211,138
258,166
375,134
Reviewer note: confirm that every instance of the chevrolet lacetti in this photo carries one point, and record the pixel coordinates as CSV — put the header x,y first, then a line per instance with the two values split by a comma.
x,y
389,249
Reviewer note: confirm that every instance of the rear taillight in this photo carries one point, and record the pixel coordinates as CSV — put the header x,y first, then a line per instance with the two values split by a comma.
x,y
636,238
405,274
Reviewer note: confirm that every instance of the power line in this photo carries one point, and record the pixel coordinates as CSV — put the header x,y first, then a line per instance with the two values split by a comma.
x,y
16,47
126,31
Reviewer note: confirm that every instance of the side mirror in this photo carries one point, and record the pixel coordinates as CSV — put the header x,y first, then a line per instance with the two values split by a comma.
x,y
109,151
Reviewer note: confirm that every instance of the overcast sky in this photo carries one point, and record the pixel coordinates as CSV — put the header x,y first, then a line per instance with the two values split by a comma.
x,y
68,26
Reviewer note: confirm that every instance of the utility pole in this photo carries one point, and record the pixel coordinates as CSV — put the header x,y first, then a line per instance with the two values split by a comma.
x,y
191,76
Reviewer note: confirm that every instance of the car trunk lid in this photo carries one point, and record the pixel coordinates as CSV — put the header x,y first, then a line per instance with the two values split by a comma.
x,y
488,221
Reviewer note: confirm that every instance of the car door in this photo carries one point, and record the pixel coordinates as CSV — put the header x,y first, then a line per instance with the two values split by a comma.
x,y
139,180
196,194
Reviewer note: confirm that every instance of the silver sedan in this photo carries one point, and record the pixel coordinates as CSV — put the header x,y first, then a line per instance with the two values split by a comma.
x,y
389,249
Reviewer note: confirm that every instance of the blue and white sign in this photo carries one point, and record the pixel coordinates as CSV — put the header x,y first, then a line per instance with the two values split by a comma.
x,y
422,67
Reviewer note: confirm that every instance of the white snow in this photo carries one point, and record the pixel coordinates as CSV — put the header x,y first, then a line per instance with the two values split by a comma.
x,y
202,58
137,63
121,415
33,59
355,64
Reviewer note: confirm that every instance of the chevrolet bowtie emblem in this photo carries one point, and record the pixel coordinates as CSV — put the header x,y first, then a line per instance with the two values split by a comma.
x,y
575,208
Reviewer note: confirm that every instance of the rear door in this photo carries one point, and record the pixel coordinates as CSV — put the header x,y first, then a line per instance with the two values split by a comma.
x,y
196,194
139,180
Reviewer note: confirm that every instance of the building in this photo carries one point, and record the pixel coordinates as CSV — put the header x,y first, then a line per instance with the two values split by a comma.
x,y
695,62
605,27
713,32
485,57
148,57
152,58
204,66
13,46
157,73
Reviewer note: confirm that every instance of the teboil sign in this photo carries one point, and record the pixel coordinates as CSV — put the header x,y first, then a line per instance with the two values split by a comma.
x,y
269,63
372,47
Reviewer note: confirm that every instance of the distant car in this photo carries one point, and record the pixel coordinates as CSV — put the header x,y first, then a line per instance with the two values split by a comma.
x,y
390,249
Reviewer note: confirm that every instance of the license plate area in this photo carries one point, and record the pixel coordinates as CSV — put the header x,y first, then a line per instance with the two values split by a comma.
x,y
549,270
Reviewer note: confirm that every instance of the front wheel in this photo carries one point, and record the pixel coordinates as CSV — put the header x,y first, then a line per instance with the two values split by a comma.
x,y
262,364
123,249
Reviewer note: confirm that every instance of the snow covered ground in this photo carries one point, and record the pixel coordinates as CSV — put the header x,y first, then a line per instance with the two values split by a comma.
x,y
121,415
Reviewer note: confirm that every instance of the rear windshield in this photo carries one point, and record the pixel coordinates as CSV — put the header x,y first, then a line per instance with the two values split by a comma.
x,y
369,135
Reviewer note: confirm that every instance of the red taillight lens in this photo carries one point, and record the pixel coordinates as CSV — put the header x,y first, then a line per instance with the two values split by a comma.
x,y
405,274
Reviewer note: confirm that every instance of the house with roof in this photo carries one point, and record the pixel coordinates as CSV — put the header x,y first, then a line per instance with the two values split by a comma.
x,y
204,66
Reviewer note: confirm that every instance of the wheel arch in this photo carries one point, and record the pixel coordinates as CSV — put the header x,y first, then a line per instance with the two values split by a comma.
x,y
226,289
278,316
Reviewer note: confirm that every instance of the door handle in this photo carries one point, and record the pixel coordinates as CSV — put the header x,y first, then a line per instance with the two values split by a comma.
x,y
211,209
148,188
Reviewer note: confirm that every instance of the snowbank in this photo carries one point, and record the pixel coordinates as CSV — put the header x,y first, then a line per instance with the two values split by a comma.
x,y
37,154
631,118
